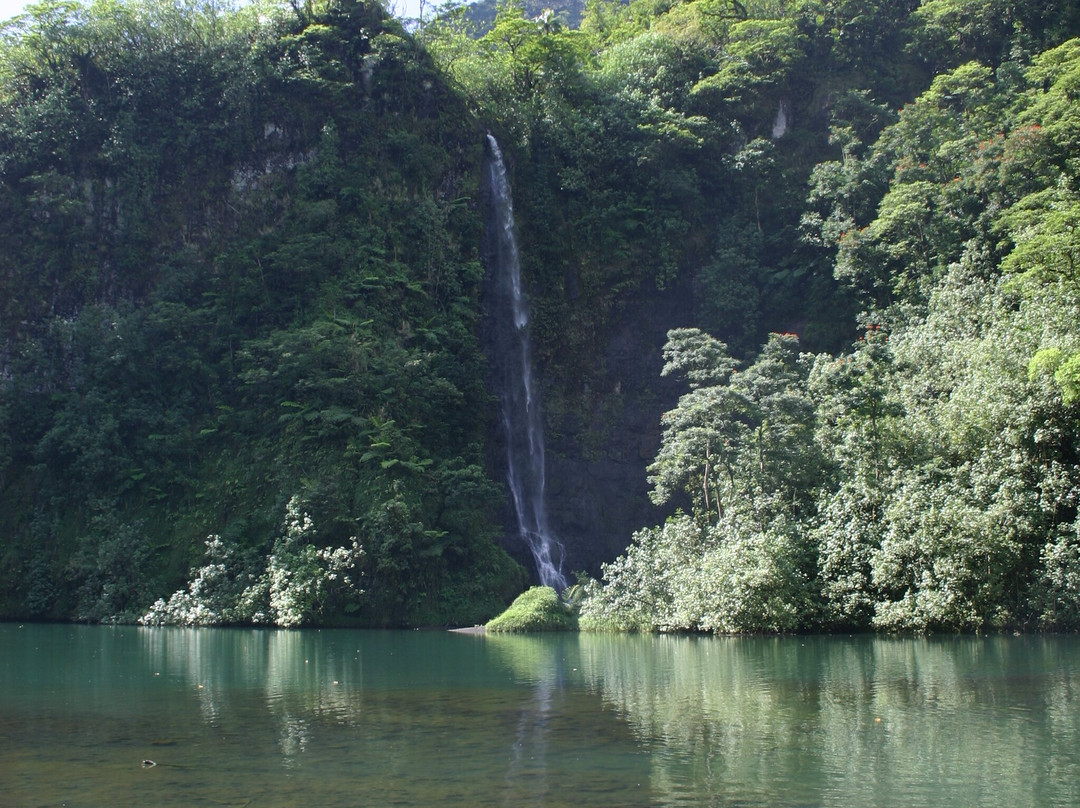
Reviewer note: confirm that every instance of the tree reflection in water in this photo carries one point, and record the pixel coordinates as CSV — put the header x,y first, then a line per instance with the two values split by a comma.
x,y
280,718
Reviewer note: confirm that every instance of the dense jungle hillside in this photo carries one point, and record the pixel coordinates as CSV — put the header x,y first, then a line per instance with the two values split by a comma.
x,y
804,284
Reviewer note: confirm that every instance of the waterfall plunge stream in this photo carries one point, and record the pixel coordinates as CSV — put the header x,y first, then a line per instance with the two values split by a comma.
x,y
521,415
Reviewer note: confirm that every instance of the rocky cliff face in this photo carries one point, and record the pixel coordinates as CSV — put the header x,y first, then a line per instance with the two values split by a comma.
x,y
598,487
600,443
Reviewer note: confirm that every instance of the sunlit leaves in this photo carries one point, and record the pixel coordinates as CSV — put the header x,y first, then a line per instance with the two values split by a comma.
x,y
759,53
1052,109
700,358
972,29
1045,229
648,78
740,445
939,491
1064,368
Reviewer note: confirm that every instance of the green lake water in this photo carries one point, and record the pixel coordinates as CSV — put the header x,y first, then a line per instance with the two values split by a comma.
x,y
349,718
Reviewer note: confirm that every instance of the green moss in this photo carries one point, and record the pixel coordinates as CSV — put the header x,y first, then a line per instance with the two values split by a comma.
x,y
537,609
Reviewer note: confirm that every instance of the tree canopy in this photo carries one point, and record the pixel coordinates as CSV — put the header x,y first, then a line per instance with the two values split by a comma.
x,y
242,369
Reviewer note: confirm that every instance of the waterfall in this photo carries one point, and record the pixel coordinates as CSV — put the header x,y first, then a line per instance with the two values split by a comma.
x,y
522,418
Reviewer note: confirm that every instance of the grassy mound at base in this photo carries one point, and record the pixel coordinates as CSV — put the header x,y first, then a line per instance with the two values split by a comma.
x,y
536,609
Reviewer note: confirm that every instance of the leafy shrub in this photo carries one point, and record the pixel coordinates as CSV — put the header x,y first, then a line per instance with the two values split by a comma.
x,y
214,594
293,589
1058,591
536,609
721,579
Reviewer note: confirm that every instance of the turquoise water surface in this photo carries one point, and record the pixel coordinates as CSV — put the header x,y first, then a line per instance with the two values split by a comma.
x,y
96,716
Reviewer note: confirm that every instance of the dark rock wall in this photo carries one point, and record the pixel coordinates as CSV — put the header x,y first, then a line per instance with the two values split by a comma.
x,y
598,452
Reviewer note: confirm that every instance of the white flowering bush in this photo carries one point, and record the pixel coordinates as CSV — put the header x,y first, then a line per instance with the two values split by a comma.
x,y
299,575
292,589
210,597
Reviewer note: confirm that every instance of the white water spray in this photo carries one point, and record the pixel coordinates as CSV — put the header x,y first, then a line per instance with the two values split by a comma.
x,y
521,415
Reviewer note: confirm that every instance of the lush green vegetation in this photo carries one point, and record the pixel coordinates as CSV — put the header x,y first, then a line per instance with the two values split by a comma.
x,y
536,609
240,271
240,298
928,478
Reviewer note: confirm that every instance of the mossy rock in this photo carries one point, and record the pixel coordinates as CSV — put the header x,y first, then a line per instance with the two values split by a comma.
x,y
536,609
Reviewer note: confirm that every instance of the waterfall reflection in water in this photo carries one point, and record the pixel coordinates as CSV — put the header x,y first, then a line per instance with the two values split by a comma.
x,y
344,718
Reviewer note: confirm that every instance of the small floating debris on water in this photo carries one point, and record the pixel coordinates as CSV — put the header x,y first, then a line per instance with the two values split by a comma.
x,y
148,764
